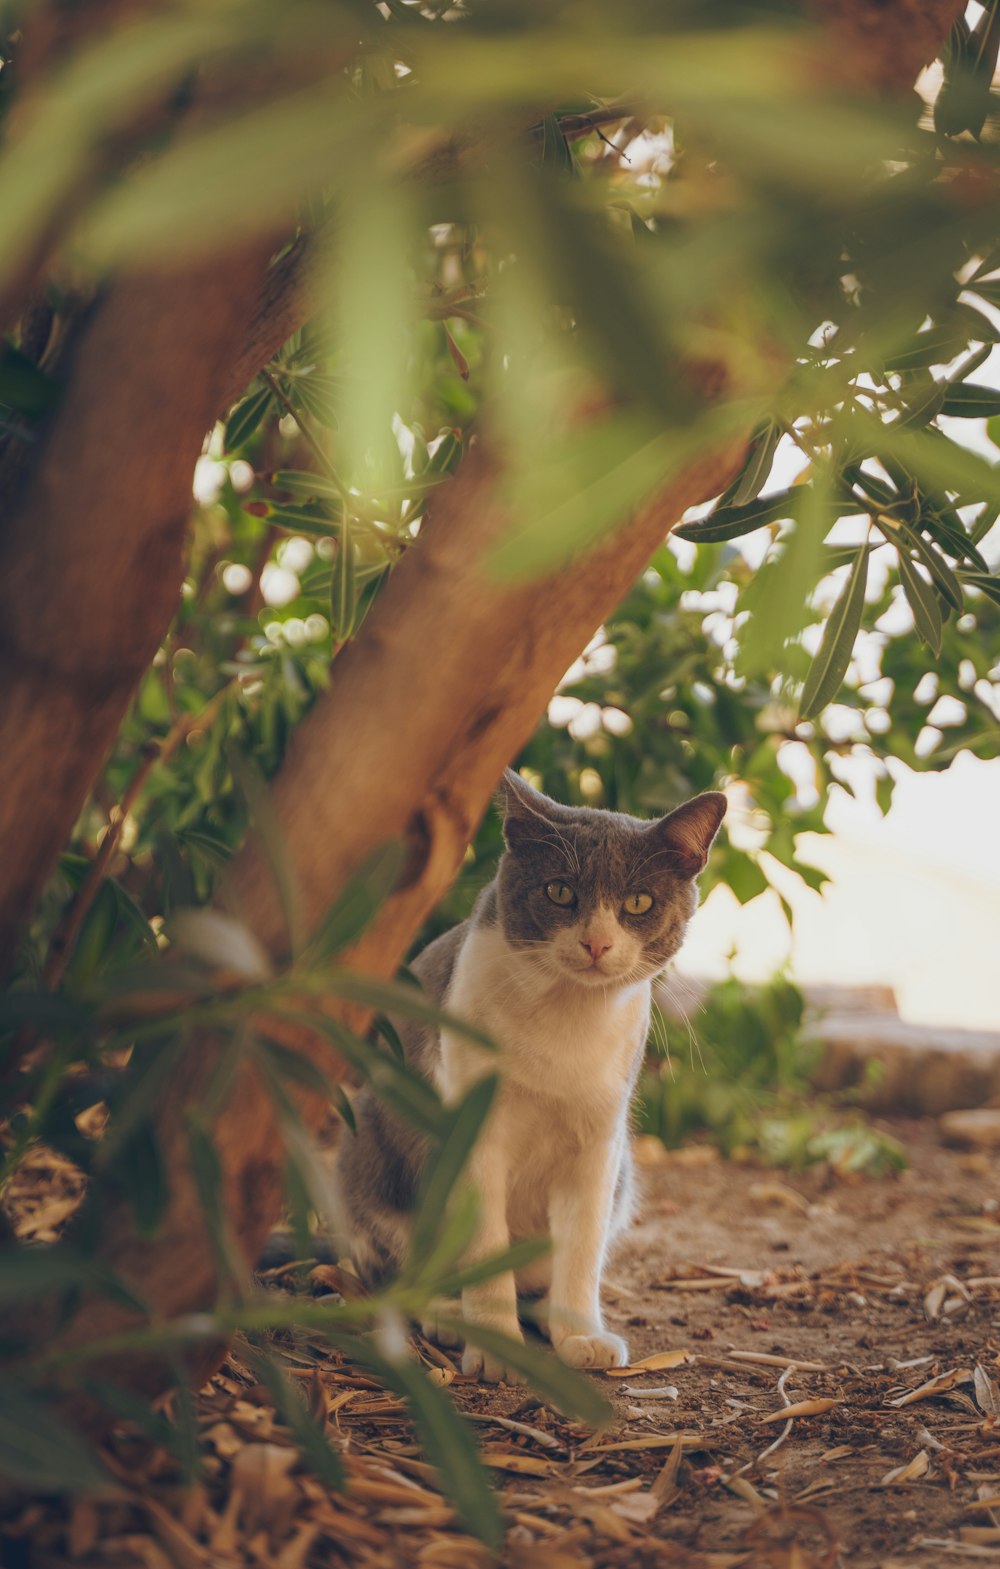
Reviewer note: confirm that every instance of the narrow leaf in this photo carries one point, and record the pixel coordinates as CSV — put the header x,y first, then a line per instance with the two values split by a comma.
x,y
442,1173
922,600
829,667
758,464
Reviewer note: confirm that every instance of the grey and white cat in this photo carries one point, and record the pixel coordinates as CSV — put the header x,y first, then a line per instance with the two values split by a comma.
x,y
555,964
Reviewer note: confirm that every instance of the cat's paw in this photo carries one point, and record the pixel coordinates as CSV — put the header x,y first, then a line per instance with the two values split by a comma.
x,y
431,1327
602,1350
492,1369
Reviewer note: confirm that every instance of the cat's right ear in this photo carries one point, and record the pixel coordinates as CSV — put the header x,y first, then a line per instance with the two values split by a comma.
x,y
525,810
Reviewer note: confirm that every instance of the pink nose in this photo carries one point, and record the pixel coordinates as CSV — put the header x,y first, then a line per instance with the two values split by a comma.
x,y
595,948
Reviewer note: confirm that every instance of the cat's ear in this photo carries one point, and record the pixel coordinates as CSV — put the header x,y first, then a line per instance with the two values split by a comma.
x,y
685,835
527,813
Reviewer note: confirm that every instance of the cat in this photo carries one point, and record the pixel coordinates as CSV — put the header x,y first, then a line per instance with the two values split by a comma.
x,y
555,964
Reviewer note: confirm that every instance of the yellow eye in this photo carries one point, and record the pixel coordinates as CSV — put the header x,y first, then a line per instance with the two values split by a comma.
x,y
638,903
560,893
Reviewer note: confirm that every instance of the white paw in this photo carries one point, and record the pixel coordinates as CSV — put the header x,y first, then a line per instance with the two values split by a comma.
x,y
491,1369
602,1350
432,1329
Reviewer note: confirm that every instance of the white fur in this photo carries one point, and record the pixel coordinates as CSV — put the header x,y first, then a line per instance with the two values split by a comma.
x,y
547,1163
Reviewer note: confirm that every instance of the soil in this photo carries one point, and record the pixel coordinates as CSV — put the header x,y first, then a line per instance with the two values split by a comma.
x,y
887,1283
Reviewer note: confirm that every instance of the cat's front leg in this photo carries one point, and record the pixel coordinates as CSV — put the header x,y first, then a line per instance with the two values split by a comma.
x,y
493,1302
580,1209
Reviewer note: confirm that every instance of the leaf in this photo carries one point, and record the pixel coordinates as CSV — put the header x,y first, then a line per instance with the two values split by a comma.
x,y
442,1173
305,482
318,1454
970,400
922,600
39,1451
829,667
404,1090
988,585
757,467
220,942
23,386
245,418
945,579
651,1364
299,1069
207,1174
448,1442
343,585
362,897
315,518
139,1171
518,1256
934,1386
817,1407
560,1386
777,596
911,1472
556,151
411,1001
733,522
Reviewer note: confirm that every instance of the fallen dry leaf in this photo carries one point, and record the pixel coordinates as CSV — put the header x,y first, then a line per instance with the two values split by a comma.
x,y
802,1408
651,1364
911,1472
934,1386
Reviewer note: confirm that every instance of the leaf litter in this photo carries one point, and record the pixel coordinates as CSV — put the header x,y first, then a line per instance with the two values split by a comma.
x,y
879,1396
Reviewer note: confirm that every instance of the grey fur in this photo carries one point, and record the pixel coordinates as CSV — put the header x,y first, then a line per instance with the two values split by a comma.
x,y
603,856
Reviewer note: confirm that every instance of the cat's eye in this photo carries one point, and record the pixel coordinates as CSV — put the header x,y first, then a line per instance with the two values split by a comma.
x,y
638,903
560,893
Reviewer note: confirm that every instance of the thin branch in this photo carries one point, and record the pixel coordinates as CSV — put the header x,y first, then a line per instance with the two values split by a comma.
x,y
63,943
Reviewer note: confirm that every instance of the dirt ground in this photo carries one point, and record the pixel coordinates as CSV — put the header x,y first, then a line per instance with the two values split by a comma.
x,y
868,1308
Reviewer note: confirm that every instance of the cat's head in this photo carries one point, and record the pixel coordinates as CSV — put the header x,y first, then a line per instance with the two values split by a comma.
x,y
600,897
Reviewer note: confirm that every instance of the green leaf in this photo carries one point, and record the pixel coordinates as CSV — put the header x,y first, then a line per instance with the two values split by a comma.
x,y
448,1442
971,400
311,1442
945,579
556,151
358,904
207,1174
443,1171
757,467
139,1170
411,1001
518,1256
38,1451
985,583
558,1385
299,1069
922,600
404,1090
829,667
315,518
343,585
733,522
23,387
306,482
777,596
246,417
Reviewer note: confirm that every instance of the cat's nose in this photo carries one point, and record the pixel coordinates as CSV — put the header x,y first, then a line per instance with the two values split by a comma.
x,y
594,947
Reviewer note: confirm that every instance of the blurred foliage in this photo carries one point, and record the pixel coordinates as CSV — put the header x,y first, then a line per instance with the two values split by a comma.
x,y
742,1079
604,244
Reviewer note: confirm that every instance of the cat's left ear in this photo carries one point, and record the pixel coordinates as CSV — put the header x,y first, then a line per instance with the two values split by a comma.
x,y
686,834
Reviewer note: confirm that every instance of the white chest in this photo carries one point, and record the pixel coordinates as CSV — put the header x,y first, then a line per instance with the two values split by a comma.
x,y
564,1050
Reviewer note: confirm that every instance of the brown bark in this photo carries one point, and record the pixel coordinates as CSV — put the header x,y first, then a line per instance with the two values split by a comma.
x,y
92,557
